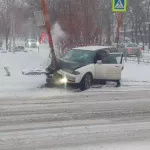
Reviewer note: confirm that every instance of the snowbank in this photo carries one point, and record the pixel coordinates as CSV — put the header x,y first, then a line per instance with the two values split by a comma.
x,y
15,63
134,76
135,72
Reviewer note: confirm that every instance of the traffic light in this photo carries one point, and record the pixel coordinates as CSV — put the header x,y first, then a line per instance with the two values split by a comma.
x,y
41,37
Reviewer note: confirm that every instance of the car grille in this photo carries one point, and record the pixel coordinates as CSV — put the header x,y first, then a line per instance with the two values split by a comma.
x,y
58,76
70,78
33,44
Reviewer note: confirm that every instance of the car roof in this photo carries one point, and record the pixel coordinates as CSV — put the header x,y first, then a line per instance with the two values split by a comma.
x,y
117,53
126,44
129,43
31,39
92,48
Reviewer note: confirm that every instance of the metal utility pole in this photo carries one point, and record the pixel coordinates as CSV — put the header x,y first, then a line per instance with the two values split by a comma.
x,y
149,34
118,28
38,45
114,26
10,43
148,23
13,32
124,26
47,25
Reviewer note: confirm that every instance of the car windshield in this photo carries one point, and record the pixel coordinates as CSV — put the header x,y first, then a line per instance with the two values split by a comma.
x,y
132,45
80,56
31,40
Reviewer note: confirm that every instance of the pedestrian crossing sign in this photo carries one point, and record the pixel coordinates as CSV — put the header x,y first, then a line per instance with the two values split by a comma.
x,y
119,5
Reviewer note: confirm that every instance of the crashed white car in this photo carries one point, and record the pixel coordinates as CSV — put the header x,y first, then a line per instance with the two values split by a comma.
x,y
83,65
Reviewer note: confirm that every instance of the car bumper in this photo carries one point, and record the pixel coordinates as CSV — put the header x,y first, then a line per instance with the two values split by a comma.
x,y
33,46
62,77
71,78
134,54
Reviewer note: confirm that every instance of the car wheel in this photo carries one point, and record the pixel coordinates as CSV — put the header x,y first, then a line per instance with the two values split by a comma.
x,y
49,83
118,83
86,82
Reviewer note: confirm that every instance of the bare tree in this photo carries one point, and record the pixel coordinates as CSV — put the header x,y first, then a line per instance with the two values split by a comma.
x,y
10,10
138,12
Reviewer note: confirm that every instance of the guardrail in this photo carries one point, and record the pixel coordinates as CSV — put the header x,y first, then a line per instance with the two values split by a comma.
x,y
135,59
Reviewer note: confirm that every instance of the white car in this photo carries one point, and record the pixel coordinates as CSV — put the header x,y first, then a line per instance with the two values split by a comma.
x,y
83,65
31,43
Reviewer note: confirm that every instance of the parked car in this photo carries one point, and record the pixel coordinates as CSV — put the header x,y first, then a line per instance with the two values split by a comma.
x,y
81,66
131,49
19,48
31,43
125,40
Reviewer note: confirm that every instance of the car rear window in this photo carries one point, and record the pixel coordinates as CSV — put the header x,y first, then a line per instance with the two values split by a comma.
x,y
132,45
31,40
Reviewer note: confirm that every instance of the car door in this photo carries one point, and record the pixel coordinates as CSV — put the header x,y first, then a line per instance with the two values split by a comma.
x,y
100,71
110,68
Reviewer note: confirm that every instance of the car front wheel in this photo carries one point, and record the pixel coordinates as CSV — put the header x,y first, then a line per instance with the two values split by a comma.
x,y
118,83
86,82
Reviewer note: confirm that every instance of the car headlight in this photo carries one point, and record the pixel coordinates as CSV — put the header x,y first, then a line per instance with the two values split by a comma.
x,y
63,80
37,43
76,73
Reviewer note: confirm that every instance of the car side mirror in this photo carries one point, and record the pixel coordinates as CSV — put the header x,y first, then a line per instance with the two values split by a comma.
x,y
99,62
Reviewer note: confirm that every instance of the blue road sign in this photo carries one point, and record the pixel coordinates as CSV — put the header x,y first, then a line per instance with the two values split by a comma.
x,y
119,5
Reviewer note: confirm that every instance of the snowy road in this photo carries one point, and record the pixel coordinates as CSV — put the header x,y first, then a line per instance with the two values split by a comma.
x,y
96,120
102,118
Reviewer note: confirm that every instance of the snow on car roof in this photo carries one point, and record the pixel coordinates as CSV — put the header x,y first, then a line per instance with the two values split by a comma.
x,y
116,53
92,48
31,40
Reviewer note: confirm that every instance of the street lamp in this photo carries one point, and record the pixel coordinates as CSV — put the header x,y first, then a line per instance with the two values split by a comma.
x,y
148,23
125,27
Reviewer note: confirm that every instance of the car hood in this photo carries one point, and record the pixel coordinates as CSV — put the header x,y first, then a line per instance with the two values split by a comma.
x,y
69,65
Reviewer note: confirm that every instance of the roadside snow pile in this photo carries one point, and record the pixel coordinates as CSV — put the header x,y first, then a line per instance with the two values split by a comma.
x,y
21,86
15,64
136,74
34,71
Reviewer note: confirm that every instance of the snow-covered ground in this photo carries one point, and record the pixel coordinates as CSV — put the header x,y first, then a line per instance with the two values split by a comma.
x,y
21,85
139,145
15,63
134,76
134,72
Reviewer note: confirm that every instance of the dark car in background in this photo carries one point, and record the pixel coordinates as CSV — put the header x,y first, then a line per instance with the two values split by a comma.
x,y
131,49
